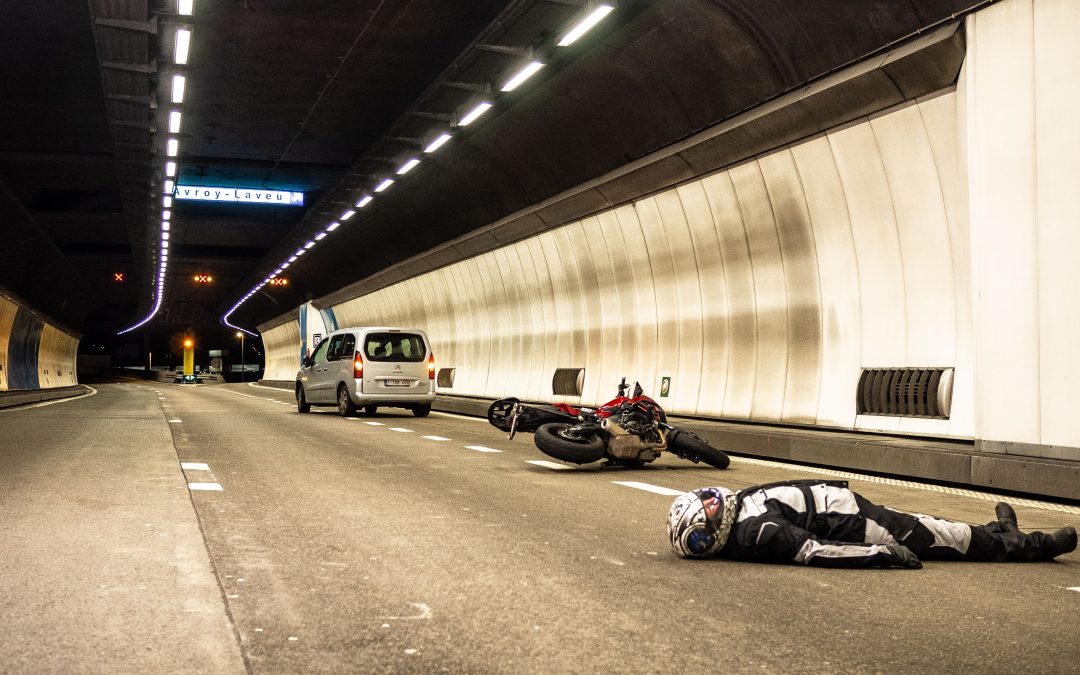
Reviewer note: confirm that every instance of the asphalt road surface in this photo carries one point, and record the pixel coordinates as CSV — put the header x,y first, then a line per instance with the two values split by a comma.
x,y
165,528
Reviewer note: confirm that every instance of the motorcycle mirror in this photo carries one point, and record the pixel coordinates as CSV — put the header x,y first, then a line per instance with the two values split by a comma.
x,y
638,391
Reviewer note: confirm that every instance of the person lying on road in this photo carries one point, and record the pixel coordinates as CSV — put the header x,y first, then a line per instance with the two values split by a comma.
x,y
824,523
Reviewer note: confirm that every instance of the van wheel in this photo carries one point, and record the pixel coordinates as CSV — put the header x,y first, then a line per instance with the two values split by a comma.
x,y
421,410
302,406
370,410
345,406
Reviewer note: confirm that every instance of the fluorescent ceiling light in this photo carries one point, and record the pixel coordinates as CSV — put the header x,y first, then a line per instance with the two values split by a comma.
x,y
522,75
309,244
300,252
477,111
170,169
292,260
166,214
183,44
169,186
585,24
437,143
166,201
407,166
164,226
383,185
348,214
164,236
178,82
320,236
364,202
184,6
333,226
164,257
172,147
174,122
284,265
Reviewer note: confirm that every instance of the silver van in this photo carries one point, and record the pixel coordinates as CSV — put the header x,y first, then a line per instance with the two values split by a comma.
x,y
368,368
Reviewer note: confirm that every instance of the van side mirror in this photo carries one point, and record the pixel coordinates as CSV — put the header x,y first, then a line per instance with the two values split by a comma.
x,y
308,362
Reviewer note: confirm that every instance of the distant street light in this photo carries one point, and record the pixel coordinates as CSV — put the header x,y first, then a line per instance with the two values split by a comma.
x,y
243,367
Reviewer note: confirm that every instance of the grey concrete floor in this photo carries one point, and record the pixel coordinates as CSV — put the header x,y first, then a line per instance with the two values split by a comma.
x,y
335,545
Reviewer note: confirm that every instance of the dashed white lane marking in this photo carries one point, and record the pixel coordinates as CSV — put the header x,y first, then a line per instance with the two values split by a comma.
x,y
175,421
929,487
1073,588
212,487
375,424
259,386
194,466
460,417
548,465
400,430
435,438
649,488
481,448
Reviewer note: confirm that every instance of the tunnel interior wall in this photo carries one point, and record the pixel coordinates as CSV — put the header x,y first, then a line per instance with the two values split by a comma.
x,y
761,291
281,344
1022,78
940,233
33,353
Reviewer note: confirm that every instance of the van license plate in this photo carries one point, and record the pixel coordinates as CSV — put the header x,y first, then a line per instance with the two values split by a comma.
x,y
396,383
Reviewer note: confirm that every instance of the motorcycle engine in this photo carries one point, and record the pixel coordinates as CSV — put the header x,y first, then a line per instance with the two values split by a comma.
x,y
634,435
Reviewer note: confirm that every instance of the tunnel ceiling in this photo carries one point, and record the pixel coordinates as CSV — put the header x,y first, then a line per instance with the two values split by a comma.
x,y
331,97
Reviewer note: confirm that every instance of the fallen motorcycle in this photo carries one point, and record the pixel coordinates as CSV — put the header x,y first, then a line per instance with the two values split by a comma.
x,y
628,430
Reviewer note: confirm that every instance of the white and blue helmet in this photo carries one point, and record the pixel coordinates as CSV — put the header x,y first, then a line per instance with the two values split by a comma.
x,y
700,521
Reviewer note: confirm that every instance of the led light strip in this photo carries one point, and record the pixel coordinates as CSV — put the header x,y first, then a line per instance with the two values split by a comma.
x,y
181,51
595,13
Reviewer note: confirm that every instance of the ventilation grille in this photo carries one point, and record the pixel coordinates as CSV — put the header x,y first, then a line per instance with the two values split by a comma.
x,y
906,392
445,378
568,381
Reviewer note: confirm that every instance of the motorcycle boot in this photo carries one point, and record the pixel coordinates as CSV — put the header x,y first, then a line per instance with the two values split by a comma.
x,y
1005,514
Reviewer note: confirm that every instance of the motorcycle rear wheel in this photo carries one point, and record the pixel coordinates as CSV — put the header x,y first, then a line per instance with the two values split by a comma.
x,y
553,440
690,446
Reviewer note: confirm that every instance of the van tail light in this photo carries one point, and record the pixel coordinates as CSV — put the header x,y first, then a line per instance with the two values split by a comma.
x,y
358,366
431,367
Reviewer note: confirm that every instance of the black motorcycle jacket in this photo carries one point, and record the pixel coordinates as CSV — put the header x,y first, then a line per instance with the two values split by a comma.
x,y
811,522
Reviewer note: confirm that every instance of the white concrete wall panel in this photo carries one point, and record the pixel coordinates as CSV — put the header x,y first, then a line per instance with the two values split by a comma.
x,y
708,397
939,116
1057,90
8,310
643,342
770,292
56,358
838,278
741,333
281,346
799,262
1004,221
661,272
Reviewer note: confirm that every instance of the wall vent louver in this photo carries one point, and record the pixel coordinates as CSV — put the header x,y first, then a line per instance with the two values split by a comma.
x,y
445,378
905,392
568,381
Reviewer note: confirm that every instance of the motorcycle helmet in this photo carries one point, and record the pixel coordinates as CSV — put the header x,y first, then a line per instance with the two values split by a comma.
x,y
700,521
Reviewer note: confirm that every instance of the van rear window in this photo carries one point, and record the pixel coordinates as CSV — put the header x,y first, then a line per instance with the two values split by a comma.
x,y
407,347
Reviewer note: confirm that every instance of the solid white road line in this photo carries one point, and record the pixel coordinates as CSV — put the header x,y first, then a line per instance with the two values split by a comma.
x,y
211,487
175,421
375,424
549,465
435,438
194,466
400,429
649,488
480,448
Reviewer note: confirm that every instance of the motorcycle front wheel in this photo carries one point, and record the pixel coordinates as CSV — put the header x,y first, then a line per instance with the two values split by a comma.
x,y
557,439
690,446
